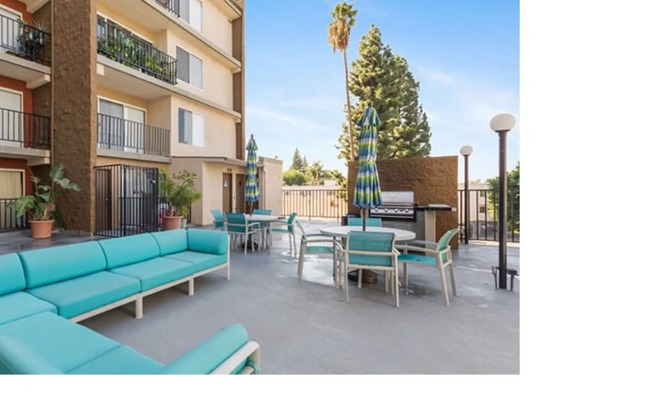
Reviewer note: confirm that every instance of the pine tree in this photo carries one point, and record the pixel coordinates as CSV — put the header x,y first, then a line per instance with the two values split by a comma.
x,y
297,163
384,78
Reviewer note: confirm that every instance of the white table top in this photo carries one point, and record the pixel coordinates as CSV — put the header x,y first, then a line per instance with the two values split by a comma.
x,y
342,231
261,217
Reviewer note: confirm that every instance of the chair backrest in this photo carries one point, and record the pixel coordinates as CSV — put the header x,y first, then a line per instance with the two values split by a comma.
x,y
445,240
291,219
235,221
262,211
218,216
371,222
371,242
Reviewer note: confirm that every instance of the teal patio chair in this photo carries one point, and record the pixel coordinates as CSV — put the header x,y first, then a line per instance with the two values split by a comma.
x,y
286,227
372,251
432,254
317,244
237,226
218,218
371,222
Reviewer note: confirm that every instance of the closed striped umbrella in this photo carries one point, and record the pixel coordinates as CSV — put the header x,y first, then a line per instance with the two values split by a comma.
x,y
367,185
252,192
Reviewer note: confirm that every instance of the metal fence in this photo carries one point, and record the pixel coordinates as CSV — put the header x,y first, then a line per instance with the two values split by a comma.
x,y
171,5
117,133
20,39
8,219
24,129
126,200
314,203
483,210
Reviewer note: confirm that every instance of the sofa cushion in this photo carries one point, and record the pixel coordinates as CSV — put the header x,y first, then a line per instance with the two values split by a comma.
x,y
122,360
124,251
200,261
208,241
172,241
12,278
17,357
55,264
63,343
156,272
20,304
77,296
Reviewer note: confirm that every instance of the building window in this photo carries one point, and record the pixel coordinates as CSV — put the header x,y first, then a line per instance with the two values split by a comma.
x,y
190,11
121,127
11,184
191,128
482,209
189,68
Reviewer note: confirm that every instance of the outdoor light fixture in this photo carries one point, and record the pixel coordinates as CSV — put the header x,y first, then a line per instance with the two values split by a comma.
x,y
466,152
501,124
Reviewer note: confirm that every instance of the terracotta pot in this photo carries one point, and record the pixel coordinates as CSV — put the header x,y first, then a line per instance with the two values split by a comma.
x,y
41,229
171,223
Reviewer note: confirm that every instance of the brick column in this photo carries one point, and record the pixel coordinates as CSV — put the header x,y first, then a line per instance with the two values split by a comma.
x,y
74,56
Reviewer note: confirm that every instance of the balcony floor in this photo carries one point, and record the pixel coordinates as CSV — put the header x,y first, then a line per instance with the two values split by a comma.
x,y
307,328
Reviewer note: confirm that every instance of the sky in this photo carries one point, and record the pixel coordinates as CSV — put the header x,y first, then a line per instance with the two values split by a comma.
x,y
464,54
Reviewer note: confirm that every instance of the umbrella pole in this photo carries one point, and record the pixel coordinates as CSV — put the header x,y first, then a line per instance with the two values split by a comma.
x,y
364,219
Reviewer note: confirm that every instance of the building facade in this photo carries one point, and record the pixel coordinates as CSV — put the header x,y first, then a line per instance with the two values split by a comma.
x,y
118,89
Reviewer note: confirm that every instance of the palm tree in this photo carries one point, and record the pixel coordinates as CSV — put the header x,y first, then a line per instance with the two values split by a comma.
x,y
338,36
316,173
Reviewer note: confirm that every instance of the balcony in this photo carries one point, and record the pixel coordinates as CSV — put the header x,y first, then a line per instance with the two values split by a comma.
x,y
23,40
170,5
115,135
118,44
24,130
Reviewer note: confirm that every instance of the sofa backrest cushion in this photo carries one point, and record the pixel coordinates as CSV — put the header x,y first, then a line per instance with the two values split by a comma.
x,y
55,264
170,242
16,357
208,241
124,251
12,278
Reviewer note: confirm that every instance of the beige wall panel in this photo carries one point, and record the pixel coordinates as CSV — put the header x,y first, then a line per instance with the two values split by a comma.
x,y
219,137
217,79
272,184
216,26
103,92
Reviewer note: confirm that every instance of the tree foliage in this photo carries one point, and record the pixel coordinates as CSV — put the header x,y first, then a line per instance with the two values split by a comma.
x,y
384,78
293,177
513,197
298,163
339,32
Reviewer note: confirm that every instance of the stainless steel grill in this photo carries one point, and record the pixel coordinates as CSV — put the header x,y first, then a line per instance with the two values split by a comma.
x,y
396,204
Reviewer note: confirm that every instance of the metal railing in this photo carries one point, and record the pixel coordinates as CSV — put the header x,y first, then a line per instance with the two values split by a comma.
x,y
24,129
483,213
117,133
119,44
126,200
8,219
317,203
171,5
21,39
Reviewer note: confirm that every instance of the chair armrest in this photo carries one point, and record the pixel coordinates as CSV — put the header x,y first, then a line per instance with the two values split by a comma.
x,y
227,352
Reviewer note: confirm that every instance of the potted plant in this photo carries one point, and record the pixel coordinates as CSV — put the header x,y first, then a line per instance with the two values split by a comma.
x,y
179,193
41,207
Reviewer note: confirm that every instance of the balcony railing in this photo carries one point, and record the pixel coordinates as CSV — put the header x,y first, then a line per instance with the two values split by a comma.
x,y
21,39
115,133
119,44
171,5
18,129
8,219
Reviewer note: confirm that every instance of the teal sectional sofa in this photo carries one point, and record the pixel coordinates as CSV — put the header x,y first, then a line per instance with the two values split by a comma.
x,y
44,292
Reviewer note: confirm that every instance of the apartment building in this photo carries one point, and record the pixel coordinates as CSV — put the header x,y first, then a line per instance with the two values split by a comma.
x,y
123,88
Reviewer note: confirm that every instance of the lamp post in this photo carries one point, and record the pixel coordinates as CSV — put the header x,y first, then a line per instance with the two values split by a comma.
x,y
466,152
501,124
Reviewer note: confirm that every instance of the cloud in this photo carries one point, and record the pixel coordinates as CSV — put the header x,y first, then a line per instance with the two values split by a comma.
x,y
297,122
314,103
440,77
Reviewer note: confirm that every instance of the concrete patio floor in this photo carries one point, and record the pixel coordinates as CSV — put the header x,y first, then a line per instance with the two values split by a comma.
x,y
308,328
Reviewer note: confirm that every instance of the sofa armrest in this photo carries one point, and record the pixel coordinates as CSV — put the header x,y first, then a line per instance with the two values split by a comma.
x,y
19,358
208,241
227,352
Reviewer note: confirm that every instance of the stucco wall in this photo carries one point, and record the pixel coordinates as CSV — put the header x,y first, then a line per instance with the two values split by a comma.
x,y
432,179
272,184
75,112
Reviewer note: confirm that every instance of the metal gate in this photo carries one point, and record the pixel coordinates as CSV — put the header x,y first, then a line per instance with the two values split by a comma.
x,y
126,200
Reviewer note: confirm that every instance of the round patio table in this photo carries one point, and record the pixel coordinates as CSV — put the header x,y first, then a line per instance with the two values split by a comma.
x,y
342,231
265,219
